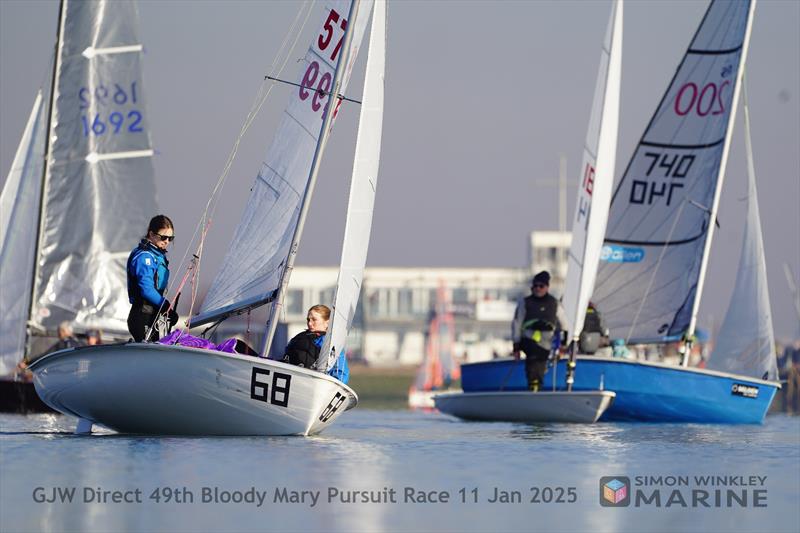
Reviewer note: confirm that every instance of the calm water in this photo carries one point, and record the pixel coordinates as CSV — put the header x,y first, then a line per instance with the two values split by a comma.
x,y
389,453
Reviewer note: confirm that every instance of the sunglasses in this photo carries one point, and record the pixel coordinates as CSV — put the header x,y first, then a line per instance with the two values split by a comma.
x,y
538,285
169,238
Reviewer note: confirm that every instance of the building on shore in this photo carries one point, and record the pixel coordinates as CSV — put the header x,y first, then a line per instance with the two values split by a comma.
x,y
396,303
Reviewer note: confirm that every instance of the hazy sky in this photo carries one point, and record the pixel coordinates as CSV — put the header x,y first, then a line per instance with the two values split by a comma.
x,y
481,98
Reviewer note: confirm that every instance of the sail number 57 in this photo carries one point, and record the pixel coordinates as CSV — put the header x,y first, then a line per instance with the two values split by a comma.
x,y
326,37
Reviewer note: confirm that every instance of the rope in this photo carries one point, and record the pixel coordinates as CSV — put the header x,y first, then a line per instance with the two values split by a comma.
x,y
263,93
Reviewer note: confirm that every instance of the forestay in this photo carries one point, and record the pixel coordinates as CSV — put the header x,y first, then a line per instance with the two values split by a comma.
x,y
664,207
594,194
99,182
363,184
745,342
251,271
19,213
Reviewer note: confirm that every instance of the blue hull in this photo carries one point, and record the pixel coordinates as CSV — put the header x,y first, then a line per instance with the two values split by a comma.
x,y
649,392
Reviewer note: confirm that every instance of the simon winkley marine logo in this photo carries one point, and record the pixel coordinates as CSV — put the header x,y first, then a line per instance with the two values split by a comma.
x,y
615,491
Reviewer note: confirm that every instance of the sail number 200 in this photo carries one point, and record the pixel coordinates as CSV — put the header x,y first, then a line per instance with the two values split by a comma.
x,y
702,101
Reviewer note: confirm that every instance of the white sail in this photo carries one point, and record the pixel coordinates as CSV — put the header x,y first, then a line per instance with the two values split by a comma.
x,y
664,208
594,193
19,212
252,269
745,343
363,185
99,186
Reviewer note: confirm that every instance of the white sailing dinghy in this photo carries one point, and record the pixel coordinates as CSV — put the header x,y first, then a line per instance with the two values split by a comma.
x,y
174,390
588,230
80,190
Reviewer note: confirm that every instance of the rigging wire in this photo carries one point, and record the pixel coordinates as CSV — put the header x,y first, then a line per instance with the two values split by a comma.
x,y
279,63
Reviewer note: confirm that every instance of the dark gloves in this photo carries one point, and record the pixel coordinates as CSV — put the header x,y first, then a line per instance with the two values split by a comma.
x,y
172,315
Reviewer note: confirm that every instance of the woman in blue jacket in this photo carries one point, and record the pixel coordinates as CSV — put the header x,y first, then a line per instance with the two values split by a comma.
x,y
148,276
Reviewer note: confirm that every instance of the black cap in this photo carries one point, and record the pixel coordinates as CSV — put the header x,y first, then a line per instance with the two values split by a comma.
x,y
542,277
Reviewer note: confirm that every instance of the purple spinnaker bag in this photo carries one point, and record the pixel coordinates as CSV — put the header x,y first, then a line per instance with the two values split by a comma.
x,y
181,338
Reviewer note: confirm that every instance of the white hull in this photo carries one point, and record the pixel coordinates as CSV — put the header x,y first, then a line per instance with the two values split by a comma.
x,y
523,406
423,399
173,390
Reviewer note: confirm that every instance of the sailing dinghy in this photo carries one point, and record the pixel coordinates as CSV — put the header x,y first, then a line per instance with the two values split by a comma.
x,y
439,367
594,196
176,390
656,250
83,179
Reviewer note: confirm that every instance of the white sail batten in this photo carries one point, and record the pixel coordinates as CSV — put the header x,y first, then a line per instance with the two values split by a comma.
x,y
663,208
94,211
19,212
594,193
252,269
745,343
363,185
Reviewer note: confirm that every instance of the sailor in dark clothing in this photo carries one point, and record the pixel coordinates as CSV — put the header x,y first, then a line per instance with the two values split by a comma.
x,y
148,275
538,318
595,332
66,338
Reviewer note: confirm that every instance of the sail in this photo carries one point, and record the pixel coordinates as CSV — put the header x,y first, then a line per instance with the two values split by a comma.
x,y
99,186
664,206
19,212
251,270
363,184
745,343
594,194
439,368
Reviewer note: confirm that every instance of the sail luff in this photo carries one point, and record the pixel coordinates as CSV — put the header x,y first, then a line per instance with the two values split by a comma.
x,y
720,179
62,15
363,185
599,163
322,141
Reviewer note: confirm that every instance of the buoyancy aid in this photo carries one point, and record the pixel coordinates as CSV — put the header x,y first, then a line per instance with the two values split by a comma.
x,y
541,317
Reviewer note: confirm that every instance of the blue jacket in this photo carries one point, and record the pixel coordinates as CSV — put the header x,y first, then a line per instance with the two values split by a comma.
x,y
339,370
148,274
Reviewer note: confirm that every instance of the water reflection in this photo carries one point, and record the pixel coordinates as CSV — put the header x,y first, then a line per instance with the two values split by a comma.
x,y
377,451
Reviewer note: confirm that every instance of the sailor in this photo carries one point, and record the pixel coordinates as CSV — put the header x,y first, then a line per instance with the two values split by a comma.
x,y
595,332
148,275
303,349
538,318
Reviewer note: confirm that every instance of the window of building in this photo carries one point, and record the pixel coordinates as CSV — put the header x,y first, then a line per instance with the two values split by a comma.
x,y
460,295
294,302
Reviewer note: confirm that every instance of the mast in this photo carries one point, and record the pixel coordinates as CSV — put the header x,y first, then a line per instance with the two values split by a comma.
x,y
687,340
62,11
272,323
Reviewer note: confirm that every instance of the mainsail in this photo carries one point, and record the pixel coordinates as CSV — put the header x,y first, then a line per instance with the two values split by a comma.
x,y
253,267
19,212
664,207
99,187
745,342
363,184
594,194
93,198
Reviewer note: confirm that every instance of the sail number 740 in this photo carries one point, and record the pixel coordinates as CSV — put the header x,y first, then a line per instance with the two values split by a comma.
x,y
675,168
